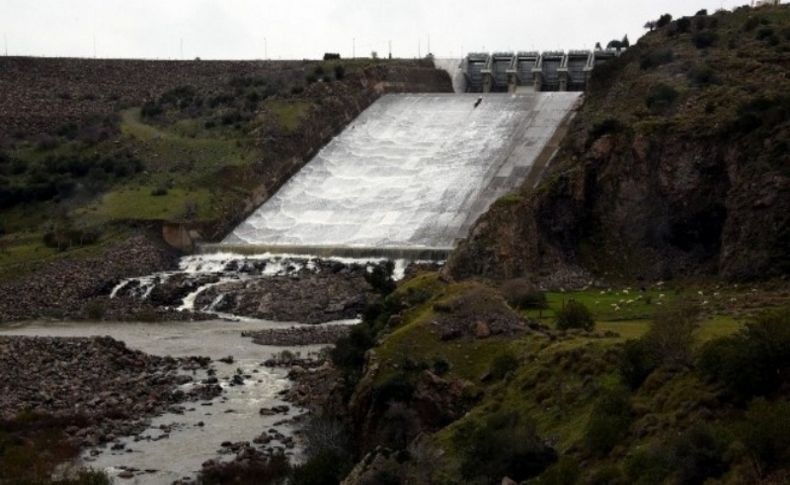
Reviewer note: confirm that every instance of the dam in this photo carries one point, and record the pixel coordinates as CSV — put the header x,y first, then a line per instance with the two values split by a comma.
x,y
409,177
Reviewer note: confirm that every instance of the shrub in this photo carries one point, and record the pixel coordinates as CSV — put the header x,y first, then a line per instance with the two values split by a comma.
x,y
766,434
609,422
656,57
565,472
683,24
575,315
522,295
698,455
661,97
324,468
703,76
159,191
272,469
648,466
605,127
702,13
704,39
397,388
503,364
664,20
753,362
380,278
670,338
95,310
636,363
441,366
340,72
505,444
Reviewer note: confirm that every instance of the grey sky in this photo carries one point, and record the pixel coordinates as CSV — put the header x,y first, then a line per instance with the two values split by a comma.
x,y
236,29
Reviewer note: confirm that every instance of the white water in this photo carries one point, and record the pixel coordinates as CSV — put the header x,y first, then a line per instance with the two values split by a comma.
x,y
410,172
188,445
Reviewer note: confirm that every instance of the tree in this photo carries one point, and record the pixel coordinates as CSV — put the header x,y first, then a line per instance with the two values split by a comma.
x,y
651,25
575,315
598,46
625,42
664,20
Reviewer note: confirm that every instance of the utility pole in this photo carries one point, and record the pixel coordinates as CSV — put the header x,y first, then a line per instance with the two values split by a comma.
x,y
390,48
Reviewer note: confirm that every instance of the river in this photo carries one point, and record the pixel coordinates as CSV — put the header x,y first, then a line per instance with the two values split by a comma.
x,y
196,435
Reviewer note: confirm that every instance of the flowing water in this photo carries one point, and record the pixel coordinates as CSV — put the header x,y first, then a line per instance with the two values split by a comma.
x,y
413,171
234,416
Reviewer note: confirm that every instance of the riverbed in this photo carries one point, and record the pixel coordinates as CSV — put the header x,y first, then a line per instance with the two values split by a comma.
x,y
176,444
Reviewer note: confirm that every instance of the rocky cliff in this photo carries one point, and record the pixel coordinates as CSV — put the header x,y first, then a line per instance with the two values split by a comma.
x,y
678,164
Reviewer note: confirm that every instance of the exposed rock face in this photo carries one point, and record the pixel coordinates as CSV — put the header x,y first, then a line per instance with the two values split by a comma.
x,y
698,186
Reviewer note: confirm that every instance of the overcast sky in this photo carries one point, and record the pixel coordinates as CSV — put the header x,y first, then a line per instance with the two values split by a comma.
x,y
295,29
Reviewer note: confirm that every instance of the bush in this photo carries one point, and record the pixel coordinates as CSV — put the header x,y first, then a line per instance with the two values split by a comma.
x,y
698,455
683,24
95,310
664,20
325,468
636,363
159,191
522,295
565,472
704,39
609,422
340,72
397,388
505,444
503,365
575,315
670,338
703,76
766,434
656,57
648,466
702,13
605,127
380,278
755,361
661,97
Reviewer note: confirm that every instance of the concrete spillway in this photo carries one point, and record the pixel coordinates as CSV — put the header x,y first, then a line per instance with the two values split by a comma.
x,y
412,173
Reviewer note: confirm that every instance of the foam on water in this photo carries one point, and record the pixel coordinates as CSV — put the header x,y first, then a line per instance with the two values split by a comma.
x,y
410,172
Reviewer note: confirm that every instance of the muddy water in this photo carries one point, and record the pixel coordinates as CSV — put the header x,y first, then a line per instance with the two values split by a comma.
x,y
175,445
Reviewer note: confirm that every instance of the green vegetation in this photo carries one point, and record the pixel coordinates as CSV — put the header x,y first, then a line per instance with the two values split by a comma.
x,y
575,315
631,405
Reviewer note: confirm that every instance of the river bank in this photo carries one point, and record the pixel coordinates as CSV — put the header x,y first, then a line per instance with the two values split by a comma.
x,y
248,409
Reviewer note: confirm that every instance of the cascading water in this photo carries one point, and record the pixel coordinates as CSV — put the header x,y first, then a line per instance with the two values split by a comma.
x,y
411,172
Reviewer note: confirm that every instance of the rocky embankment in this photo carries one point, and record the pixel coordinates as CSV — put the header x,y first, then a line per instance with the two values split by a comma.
x,y
676,165
302,290
66,287
97,386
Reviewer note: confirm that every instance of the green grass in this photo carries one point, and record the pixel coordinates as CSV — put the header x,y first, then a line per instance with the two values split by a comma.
x,y
137,203
609,305
288,113
180,149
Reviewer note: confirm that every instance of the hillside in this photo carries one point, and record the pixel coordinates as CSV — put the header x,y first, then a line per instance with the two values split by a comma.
x,y
677,165
97,154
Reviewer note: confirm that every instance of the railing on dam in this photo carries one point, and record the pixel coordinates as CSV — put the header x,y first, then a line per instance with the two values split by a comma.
x,y
527,71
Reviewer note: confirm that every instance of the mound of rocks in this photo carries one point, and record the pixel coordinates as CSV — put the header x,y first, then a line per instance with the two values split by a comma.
x,y
110,387
298,336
